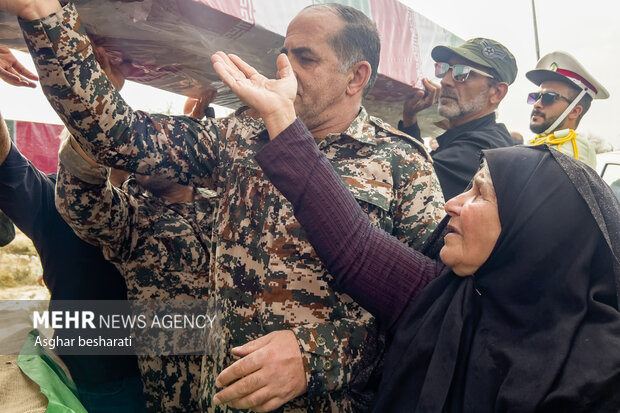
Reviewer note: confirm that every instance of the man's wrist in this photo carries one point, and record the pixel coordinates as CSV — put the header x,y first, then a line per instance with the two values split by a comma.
x,y
277,122
409,120
39,9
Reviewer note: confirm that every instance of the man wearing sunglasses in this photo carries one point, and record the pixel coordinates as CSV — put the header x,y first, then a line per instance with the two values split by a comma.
x,y
474,80
565,94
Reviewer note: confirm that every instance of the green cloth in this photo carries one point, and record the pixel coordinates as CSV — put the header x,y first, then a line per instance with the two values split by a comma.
x,y
39,366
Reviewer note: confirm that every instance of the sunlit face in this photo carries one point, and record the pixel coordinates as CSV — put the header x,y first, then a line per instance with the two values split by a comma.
x,y
321,86
543,116
463,100
474,226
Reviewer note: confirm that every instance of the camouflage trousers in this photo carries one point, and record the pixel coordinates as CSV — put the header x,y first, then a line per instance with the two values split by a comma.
x,y
171,383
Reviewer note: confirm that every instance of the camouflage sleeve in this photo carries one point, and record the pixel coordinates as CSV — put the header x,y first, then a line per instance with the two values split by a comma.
x,y
419,204
338,355
106,127
96,211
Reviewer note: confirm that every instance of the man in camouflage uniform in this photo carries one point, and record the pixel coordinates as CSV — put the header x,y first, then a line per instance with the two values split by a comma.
x,y
156,232
267,276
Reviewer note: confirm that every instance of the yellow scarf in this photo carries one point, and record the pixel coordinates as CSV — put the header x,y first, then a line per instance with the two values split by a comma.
x,y
558,138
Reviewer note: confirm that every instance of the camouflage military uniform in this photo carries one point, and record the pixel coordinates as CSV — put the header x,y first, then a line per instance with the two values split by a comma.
x,y
267,276
161,249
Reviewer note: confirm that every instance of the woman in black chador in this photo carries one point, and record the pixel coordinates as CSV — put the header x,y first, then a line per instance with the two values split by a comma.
x,y
522,312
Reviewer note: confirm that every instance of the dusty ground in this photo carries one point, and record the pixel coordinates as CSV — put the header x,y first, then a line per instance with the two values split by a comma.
x,y
26,292
20,269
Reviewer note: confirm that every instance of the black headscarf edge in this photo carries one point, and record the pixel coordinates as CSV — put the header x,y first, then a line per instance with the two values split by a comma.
x,y
602,203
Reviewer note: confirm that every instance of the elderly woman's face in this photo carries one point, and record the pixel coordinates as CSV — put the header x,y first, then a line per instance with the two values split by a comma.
x,y
473,227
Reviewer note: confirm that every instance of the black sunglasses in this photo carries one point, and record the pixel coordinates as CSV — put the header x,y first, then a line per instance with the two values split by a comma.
x,y
546,98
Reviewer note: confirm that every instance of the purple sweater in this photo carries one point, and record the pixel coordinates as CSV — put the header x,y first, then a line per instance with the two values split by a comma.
x,y
379,272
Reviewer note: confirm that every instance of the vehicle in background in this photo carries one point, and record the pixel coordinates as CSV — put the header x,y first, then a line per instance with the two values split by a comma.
x,y
608,167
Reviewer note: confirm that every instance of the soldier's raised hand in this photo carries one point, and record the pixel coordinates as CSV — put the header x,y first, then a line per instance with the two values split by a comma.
x,y
196,108
13,72
420,100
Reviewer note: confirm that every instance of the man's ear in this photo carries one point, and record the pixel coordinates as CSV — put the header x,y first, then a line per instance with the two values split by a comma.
x,y
575,112
498,92
359,77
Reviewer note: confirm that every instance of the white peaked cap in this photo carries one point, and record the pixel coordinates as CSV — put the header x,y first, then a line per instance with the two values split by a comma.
x,y
563,67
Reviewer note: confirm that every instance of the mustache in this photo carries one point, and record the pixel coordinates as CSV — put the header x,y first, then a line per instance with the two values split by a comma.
x,y
538,113
447,91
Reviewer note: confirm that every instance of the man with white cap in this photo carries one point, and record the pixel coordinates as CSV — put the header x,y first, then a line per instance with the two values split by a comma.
x,y
565,94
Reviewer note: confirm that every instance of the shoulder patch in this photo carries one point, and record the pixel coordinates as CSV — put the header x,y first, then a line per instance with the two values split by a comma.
x,y
393,131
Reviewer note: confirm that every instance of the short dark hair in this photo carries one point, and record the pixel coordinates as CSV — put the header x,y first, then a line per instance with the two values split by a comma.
x,y
357,41
495,79
584,102
492,81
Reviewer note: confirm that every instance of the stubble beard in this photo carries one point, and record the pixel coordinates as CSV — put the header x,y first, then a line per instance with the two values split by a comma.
x,y
302,113
311,115
455,109
541,127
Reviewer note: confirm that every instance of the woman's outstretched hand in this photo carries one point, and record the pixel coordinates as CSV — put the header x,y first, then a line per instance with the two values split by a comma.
x,y
273,98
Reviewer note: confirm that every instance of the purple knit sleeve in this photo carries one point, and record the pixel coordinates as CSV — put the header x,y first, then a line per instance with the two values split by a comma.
x,y
375,269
